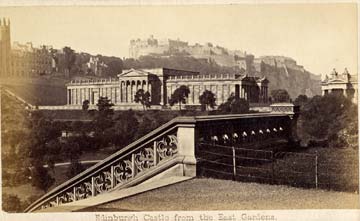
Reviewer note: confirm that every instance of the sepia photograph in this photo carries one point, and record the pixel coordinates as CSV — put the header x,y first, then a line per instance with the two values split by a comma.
x,y
230,111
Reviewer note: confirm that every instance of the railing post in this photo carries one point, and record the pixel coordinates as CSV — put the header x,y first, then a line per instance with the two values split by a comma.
x,y
57,200
112,177
93,186
74,192
234,162
186,148
156,154
272,168
316,171
133,165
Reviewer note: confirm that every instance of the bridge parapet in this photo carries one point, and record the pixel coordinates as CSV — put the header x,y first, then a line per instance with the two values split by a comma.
x,y
287,108
174,143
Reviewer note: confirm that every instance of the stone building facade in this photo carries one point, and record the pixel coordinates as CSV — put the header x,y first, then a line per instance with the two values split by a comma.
x,y
5,48
162,82
344,83
31,61
22,59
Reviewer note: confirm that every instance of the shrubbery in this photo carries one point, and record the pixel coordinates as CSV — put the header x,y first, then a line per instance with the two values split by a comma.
x,y
333,118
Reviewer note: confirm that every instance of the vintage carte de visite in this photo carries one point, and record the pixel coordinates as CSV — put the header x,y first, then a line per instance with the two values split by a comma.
x,y
184,112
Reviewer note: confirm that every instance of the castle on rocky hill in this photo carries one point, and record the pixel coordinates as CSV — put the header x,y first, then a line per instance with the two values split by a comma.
x,y
166,47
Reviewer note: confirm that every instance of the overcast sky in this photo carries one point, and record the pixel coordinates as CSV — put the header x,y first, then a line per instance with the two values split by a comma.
x,y
318,36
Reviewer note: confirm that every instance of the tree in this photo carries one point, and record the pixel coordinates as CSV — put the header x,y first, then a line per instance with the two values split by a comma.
x,y
85,105
11,203
324,116
69,58
75,168
234,105
104,106
179,96
40,177
207,99
114,67
103,120
301,100
125,128
142,97
280,95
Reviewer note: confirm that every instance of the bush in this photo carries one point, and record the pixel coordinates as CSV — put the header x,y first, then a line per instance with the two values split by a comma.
x,y
332,117
234,105
280,95
41,178
12,203
75,168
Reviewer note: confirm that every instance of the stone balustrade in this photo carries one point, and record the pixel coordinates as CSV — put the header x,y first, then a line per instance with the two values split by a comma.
x,y
201,77
94,81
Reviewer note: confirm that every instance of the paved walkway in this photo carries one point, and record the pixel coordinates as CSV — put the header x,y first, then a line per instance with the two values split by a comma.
x,y
211,194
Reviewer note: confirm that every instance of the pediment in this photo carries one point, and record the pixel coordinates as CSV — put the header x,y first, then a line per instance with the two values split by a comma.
x,y
337,81
133,73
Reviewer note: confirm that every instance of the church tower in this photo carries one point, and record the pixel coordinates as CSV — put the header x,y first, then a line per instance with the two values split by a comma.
x,y
5,48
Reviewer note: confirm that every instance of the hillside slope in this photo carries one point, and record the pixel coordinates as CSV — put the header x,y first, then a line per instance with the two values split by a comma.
x,y
295,81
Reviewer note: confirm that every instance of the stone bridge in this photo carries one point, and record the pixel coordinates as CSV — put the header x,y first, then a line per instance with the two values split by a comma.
x,y
164,156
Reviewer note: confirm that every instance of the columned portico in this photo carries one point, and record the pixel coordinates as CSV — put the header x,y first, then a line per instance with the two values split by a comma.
x,y
344,83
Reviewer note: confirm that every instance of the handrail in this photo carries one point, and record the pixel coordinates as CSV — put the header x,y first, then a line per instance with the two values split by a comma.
x,y
130,160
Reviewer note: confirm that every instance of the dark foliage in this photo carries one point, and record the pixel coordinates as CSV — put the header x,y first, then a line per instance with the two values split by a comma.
x,y
179,96
332,117
234,105
143,98
11,203
207,99
280,95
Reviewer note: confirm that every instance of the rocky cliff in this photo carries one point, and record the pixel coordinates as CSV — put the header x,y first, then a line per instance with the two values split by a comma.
x,y
295,79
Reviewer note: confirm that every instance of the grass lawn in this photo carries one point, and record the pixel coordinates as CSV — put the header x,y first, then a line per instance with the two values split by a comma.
x,y
212,194
39,91
24,192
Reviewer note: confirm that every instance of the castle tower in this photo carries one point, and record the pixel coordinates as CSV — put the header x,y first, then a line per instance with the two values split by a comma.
x,y
5,48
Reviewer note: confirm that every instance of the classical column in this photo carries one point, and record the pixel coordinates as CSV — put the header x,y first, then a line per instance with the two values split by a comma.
x,y
161,93
127,91
133,91
120,93
149,89
82,95
68,96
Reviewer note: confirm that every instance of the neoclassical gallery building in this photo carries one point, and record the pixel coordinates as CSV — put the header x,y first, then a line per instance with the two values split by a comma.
x,y
161,83
344,83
